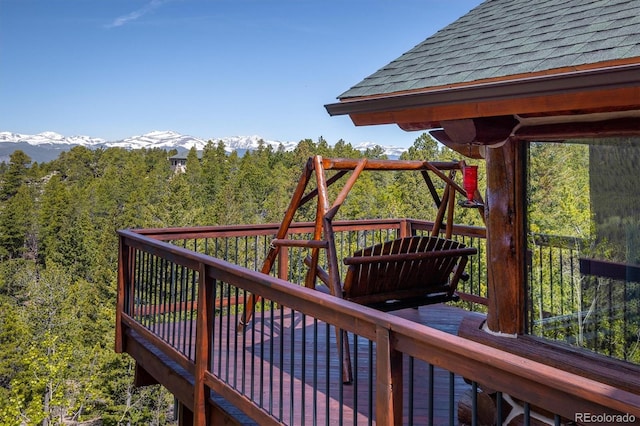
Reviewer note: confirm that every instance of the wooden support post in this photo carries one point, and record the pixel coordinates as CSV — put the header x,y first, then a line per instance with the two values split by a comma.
x,y
505,233
389,380
203,347
283,263
406,229
322,207
323,223
124,280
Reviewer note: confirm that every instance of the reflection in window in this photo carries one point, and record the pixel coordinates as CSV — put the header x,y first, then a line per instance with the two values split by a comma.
x,y
583,240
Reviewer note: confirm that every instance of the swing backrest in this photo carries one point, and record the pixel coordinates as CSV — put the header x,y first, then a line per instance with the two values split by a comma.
x,y
410,271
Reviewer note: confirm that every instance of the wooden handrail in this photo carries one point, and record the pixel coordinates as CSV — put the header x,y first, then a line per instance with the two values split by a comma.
x,y
269,229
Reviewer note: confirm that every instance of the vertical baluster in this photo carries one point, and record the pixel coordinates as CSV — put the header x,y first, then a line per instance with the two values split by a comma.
x,y
452,397
411,388
292,368
356,401
281,351
303,369
371,382
315,371
193,286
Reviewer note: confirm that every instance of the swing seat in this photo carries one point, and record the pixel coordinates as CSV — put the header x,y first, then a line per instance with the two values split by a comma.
x,y
406,272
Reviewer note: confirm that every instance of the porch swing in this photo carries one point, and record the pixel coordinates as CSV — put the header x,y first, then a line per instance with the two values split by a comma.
x,y
408,271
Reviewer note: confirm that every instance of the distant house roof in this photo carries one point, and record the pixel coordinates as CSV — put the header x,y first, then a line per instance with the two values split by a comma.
x,y
502,38
182,155
507,58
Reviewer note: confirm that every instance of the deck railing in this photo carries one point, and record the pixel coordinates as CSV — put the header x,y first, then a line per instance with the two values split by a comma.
x,y
585,302
247,245
179,302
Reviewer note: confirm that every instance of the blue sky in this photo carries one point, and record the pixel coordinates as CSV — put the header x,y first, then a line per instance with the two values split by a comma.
x,y
205,68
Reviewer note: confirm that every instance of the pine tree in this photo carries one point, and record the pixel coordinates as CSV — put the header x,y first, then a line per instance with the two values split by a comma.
x,y
12,341
216,167
15,174
17,224
55,210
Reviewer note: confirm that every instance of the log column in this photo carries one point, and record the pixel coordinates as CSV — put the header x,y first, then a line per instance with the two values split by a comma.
x,y
505,215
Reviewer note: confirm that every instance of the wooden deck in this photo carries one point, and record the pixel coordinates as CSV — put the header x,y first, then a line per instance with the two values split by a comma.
x,y
280,362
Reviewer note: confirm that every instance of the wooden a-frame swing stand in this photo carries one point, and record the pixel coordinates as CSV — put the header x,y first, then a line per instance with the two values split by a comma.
x,y
409,271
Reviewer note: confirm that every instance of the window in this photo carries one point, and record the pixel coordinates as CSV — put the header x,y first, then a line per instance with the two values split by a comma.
x,y
583,242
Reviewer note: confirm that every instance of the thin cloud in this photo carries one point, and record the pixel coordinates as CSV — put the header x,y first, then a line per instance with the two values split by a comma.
x,y
125,19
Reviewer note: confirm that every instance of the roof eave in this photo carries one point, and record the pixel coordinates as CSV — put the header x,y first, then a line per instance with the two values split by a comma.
x,y
445,103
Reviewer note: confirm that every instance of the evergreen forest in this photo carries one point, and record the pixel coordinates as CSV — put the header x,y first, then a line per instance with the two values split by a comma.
x,y
58,257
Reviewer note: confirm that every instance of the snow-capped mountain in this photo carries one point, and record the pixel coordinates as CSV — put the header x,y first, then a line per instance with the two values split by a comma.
x,y
389,151
173,140
47,146
159,139
248,143
48,138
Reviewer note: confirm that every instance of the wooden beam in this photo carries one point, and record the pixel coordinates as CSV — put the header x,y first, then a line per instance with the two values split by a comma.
x,y
161,369
416,127
602,128
141,377
382,165
321,210
480,131
314,192
348,185
148,357
466,149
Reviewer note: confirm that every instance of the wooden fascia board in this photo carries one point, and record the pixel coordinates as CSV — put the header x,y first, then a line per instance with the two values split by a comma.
x,y
611,88
430,117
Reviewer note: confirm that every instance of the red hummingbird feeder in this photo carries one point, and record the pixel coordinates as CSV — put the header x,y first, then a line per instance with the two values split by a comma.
x,y
470,185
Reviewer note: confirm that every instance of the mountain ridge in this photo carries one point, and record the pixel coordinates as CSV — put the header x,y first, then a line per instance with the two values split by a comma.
x,y
47,146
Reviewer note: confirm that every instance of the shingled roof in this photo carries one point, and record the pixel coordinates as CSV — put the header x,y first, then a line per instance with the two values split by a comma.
x,y
520,38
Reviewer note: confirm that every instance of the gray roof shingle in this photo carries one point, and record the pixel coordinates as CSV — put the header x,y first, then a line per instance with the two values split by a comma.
x,y
500,38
